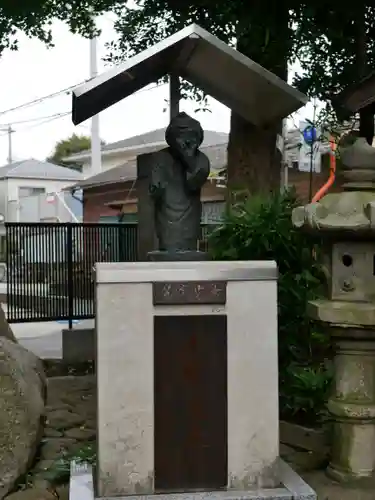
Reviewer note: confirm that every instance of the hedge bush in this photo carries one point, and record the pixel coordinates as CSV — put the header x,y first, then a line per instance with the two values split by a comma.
x,y
261,229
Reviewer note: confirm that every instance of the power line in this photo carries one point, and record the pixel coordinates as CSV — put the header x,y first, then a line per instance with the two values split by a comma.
x,y
66,90
51,119
42,120
37,118
40,99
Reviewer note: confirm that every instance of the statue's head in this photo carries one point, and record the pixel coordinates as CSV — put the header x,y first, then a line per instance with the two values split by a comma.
x,y
184,133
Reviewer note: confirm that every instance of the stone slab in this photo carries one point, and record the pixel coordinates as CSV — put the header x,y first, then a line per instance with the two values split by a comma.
x,y
81,486
342,313
78,345
304,437
293,482
149,272
266,494
294,488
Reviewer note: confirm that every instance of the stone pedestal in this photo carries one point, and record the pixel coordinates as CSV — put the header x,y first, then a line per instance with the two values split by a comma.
x,y
187,377
346,223
353,404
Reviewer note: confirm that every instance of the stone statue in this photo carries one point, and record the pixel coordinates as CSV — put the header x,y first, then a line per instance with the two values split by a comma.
x,y
177,176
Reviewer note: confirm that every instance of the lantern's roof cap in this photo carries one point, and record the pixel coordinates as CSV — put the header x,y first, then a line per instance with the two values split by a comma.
x,y
219,70
358,95
347,215
350,214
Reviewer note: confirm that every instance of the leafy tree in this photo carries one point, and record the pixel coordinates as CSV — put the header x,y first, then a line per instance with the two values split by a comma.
x,y
337,50
34,18
66,147
261,30
334,43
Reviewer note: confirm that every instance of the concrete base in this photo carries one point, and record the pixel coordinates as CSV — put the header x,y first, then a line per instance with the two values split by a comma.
x,y
78,344
293,488
125,332
352,480
178,256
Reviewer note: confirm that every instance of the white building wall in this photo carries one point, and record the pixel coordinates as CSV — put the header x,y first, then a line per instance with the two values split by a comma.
x,y
50,186
36,208
108,162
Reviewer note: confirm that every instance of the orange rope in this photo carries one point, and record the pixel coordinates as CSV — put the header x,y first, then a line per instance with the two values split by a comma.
x,y
332,173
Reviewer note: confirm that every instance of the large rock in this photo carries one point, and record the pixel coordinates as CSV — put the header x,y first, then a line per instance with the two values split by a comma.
x,y
32,494
22,402
5,329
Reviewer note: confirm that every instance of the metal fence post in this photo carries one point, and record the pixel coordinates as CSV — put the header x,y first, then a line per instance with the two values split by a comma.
x,y
10,269
69,249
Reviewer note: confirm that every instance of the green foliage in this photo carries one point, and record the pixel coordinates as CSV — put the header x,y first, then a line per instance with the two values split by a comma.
x,y
329,46
34,18
66,147
251,24
261,30
59,472
307,391
261,229
337,49
332,43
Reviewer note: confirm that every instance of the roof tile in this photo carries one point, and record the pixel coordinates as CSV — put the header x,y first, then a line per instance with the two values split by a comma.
x,y
217,155
36,169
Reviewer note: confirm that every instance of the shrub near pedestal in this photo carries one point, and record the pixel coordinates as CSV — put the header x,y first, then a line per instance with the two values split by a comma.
x,y
261,229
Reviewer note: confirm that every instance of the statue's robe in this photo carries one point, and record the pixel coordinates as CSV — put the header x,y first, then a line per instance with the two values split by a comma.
x,y
175,189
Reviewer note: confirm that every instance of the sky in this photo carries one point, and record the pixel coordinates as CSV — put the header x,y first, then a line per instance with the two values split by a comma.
x,y
34,71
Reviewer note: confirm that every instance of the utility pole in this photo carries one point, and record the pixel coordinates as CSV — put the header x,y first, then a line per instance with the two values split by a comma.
x,y
312,154
174,95
96,153
284,184
9,132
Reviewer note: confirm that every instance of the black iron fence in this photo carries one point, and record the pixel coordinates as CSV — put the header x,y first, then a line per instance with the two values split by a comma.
x,y
50,266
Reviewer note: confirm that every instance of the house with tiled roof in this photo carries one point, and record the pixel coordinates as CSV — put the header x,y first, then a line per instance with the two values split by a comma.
x,y
33,191
114,189
117,153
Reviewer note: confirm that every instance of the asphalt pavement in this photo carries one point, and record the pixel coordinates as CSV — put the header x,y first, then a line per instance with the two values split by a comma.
x,y
44,338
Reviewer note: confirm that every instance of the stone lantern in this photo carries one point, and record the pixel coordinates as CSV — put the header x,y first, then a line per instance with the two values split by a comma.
x,y
346,223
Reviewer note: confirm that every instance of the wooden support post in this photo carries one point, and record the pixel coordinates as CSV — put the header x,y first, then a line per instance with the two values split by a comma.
x,y
146,226
174,95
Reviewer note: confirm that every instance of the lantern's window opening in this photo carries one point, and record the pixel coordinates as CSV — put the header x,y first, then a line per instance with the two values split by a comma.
x,y
347,260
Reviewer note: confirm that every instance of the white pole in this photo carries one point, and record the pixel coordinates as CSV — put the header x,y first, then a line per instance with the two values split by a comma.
x,y
10,155
284,159
9,132
96,154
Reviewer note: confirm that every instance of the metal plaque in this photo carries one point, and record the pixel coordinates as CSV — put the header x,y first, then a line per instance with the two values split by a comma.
x,y
189,292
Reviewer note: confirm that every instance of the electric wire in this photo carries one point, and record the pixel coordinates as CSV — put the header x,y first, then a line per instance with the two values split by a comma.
x,y
62,91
